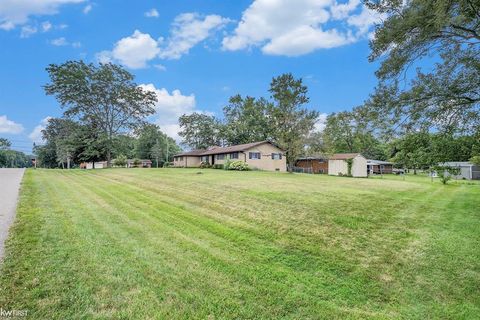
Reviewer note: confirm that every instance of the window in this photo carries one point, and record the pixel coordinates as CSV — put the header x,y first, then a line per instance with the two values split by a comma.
x,y
220,156
254,155
204,158
234,155
276,156
180,158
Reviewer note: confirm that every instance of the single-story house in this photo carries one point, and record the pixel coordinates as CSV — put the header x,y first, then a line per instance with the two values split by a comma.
x,y
92,165
379,167
263,155
317,164
468,170
338,164
144,163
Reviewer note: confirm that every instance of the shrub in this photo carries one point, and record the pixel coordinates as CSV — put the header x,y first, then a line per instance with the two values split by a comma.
x,y
205,164
226,164
136,162
120,161
238,165
167,164
217,166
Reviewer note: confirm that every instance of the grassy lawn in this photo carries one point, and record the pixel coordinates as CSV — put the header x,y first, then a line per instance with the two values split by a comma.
x,y
172,243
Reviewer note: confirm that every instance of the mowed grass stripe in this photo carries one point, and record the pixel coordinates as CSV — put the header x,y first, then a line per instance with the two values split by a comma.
x,y
260,274
143,244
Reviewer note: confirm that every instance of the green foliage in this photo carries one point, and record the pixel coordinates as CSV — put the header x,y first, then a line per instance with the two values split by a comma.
x,y
238,165
349,166
167,164
445,96
292,122
445,173
5,144
136,162
120,161
226,164
200,131
205,165
246,120
475,160
217,166
348,132
105,97
152,143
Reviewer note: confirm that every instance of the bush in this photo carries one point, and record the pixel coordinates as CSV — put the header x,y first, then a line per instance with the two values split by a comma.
x,y
238,165
120,161
217,166
136,162
226,164
205,165
167,164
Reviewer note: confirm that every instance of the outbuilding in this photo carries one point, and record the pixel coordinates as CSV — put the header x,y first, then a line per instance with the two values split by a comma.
x,y
313,164
379,167
338,165
467,171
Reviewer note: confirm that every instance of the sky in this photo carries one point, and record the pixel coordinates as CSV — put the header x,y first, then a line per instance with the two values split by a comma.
x,y
194,54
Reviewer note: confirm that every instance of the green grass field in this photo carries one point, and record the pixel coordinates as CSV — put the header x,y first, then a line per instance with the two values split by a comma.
x,y
172,243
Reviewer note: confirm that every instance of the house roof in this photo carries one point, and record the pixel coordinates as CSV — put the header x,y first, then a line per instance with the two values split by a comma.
x,y
344,156
313,158
220,150
371,161
458,164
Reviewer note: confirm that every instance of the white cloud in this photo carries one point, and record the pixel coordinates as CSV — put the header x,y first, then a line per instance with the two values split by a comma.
x,y
293,28
152,13
9,126
27,31
169,107
17,12
36,134
87,9
59,42
189,29
62,41
46,26
321,123
135,51
160,67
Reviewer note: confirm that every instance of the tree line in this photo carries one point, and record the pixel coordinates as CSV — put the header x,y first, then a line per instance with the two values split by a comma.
x,y
12,158
415,116
104,117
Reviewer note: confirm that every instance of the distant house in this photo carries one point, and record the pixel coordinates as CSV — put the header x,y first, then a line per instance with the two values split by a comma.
x,y
317,164
144,163
468,170
338,164
262,155
379,167
93,165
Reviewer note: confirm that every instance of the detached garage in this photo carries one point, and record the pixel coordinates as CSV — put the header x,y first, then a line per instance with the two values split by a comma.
x,y
338,165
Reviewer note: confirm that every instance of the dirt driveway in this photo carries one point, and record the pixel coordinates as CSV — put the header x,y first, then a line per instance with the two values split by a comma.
x,y
10,180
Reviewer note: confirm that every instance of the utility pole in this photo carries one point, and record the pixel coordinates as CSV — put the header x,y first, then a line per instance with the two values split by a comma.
x,y
156,153
167,150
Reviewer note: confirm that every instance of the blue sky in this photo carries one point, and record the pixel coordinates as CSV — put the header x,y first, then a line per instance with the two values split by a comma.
x,y
194,54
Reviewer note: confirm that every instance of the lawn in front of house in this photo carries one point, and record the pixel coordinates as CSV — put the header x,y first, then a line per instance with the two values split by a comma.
x,y
190,243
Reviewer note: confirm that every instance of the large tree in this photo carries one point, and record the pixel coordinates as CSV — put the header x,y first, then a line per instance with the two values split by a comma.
x,y
292,122
153,144
246,120
103,96
445,94
350,131
200,131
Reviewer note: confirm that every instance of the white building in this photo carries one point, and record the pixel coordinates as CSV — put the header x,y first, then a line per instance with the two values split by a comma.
x,y
338,165
468,170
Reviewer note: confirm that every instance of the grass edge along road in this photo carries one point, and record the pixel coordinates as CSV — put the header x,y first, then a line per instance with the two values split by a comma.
x,y
172,243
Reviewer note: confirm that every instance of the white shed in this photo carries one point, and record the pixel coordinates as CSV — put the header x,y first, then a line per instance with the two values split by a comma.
x,y
468,170
338,164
